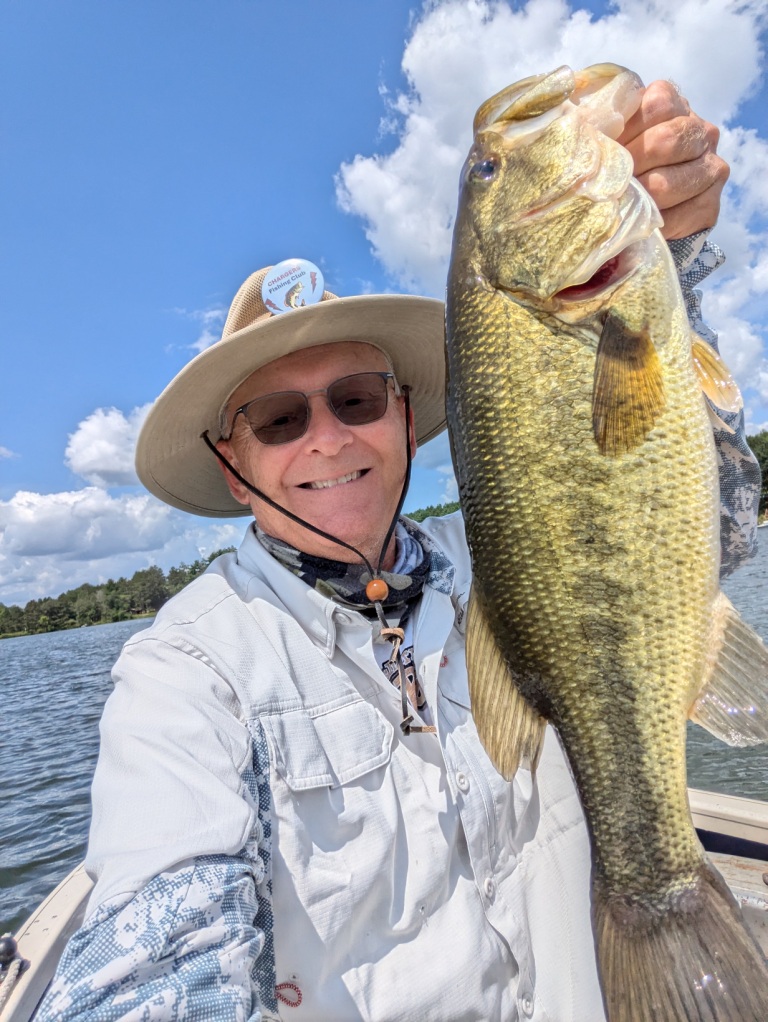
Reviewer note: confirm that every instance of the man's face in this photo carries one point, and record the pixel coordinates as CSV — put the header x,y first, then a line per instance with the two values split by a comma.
x,y
362,467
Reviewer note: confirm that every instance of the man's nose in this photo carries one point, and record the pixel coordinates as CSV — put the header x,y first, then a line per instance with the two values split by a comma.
x,y
325,432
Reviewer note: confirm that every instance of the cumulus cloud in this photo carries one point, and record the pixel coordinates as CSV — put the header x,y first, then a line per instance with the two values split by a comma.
x,y
58,541
462,51
82,524
101,449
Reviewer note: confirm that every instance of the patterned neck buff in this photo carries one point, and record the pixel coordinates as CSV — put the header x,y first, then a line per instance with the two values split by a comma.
x,y
346,583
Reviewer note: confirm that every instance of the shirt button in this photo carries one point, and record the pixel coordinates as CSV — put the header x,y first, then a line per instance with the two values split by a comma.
x,y
462,782
527,1005
489,887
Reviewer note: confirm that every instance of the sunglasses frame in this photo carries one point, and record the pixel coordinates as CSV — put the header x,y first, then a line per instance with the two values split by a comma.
x,y
306,395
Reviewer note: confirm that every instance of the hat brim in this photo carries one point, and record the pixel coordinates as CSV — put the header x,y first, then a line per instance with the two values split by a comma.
x,y
172,460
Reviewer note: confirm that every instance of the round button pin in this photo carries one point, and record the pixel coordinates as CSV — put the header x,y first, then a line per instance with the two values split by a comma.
x,y
292,284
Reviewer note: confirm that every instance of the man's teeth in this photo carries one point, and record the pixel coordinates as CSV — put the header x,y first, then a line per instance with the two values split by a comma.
x,y
325,483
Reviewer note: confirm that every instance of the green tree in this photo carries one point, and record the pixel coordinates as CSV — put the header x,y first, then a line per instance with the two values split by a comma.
x,y
433,511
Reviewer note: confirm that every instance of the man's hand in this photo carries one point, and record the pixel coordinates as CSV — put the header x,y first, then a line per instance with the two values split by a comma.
x,y
676,160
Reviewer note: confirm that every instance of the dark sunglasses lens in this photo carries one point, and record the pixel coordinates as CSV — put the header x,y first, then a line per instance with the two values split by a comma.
x,y
359,399
278,418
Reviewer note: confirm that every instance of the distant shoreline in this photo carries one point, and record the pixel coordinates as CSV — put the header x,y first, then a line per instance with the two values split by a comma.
x,y
72,628
124,599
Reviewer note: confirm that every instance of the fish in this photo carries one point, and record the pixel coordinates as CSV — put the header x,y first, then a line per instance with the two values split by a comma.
x,y
292,297
580,408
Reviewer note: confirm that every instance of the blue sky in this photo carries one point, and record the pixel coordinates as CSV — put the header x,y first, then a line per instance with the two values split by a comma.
x,y
155,153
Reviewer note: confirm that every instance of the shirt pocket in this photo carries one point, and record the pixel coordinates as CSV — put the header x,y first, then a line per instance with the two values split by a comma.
x,y
329,745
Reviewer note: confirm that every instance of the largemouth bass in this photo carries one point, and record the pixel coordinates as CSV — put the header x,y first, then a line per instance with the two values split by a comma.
x,y
584,452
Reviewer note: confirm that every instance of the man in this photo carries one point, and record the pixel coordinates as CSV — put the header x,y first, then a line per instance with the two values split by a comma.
x,y
279,830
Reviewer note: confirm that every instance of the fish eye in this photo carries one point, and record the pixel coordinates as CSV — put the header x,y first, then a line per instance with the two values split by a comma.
x,y
484,170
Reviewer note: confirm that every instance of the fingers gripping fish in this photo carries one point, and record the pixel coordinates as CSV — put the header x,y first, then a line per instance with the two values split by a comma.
x,y
587,471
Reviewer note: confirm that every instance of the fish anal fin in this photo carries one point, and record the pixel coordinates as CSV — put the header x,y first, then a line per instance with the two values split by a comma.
x,y
511,731
732,704
690,957
715,377
628,391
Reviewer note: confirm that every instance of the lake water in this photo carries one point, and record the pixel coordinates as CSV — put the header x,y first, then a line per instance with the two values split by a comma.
x,y
54,687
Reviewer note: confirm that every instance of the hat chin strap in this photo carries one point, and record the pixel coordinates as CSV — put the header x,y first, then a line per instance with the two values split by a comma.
x,y
377,589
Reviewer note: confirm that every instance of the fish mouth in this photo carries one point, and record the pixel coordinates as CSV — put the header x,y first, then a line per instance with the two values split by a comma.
x,y
327,484
607,276
610,263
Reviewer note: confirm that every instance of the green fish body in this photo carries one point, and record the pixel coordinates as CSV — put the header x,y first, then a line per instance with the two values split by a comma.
x,y
588,479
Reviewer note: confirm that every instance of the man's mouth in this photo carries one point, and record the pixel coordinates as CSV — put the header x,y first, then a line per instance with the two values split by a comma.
x,y
325,484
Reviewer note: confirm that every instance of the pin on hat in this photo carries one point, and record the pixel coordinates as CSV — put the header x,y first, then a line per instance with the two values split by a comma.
x,y
292,284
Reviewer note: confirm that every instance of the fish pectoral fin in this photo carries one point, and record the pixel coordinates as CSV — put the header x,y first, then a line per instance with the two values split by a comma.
x,y
715,377
732,702
511,731
628,390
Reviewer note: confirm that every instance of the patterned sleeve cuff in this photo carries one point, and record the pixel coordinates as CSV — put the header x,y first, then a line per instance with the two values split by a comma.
x,y
195,942
695,258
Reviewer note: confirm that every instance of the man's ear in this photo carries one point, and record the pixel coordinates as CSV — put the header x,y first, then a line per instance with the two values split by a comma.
x,y
236,488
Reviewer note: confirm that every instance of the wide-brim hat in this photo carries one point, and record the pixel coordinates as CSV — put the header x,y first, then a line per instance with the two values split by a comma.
x,y
172,460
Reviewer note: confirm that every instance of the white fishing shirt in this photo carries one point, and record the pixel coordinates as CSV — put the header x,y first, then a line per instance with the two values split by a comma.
x,y
267,844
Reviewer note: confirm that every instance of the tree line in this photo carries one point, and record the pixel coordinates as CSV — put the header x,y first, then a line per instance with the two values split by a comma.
x,y
116,600
759,445
119,600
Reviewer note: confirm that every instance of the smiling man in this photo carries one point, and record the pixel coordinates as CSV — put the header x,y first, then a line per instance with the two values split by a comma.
x,y
293,816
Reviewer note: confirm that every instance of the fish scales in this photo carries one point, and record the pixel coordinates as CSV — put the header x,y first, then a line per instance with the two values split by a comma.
x,y
576,531
594,528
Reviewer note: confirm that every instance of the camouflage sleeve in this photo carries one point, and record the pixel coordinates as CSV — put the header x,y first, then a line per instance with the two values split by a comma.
x,y
695,258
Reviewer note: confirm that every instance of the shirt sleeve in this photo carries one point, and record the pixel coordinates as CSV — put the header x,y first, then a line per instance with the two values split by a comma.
x,y
179,925
740,480
183,947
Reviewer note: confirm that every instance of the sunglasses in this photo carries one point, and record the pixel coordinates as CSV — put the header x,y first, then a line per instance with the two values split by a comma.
x,y
282,417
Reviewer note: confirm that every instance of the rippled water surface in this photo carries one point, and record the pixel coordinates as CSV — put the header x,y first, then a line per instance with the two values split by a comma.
x,y
54,687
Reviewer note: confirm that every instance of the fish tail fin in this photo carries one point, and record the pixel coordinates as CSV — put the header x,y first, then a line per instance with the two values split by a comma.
x,y
696,962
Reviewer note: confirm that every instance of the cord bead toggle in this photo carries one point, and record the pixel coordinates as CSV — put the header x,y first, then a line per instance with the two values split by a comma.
x,y
377,589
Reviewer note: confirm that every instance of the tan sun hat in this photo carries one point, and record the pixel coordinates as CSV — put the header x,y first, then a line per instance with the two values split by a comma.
x,y
172,460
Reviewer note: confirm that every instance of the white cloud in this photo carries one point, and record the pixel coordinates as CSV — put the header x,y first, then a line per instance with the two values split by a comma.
x,y
58,541
6,453
101,450
82,524
462,51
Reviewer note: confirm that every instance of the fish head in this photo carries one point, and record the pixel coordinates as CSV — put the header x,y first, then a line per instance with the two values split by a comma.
x,y
549,210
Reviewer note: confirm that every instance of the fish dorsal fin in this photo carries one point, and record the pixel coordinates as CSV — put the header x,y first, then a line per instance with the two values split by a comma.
x,y
628,392
715,377
511,731
733,704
